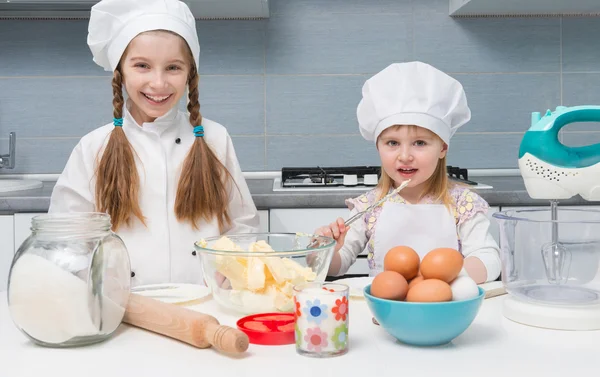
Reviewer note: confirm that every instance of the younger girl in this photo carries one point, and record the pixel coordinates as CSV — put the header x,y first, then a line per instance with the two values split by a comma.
x,y
166,178
411,110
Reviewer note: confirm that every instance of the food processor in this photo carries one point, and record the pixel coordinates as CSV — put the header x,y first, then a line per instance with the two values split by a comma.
x,y
551,255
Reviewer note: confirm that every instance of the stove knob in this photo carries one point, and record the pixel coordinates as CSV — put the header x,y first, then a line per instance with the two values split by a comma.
x,y
370,179
350,180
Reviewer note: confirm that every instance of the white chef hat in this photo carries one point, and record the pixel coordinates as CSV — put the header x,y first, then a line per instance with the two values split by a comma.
x,y
412,93
114,23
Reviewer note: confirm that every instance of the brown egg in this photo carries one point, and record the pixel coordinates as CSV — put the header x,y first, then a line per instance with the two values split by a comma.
x,y
414,281
389,285
430,290
403,260
443,264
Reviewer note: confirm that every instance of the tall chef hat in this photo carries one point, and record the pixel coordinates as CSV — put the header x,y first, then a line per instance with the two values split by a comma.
x,y
412,93
114,23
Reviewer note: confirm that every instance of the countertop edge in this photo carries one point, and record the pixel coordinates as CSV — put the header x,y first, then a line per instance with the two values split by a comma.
x,y
506,191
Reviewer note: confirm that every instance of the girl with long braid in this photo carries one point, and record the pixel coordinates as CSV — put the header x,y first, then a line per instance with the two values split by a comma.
x,y
166,177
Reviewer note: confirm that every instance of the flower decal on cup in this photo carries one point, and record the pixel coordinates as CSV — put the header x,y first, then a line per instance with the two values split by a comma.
x,y
297,306
315,339
298,335
340,337
315,311
341,309
322,317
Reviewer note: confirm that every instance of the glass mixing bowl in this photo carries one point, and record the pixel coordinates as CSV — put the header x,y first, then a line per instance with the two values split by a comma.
x,y
256,272
554,262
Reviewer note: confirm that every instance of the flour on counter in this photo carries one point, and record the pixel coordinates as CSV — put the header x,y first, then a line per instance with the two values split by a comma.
x,y
51,304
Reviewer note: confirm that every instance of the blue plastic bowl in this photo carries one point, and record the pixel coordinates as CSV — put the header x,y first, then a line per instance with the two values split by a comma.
x,y
424,323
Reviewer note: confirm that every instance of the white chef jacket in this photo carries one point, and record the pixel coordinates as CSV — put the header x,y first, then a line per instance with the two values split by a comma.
x,y
163,251
474,235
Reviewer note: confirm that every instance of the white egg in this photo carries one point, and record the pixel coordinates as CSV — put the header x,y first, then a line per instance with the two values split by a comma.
x,y
463,288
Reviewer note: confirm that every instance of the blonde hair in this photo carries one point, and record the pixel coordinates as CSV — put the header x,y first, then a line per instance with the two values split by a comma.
x,y
202,192
438,185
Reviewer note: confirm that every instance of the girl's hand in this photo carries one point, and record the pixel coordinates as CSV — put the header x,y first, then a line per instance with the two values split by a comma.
x,y
220,280
336,230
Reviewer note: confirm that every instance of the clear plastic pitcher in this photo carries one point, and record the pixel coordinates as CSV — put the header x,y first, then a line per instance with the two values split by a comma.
x,y
554,262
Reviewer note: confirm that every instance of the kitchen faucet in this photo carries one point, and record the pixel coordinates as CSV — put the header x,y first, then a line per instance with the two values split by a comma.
x,y
7,161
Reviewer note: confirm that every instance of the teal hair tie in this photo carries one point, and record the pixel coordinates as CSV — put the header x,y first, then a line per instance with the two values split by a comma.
x,y
118,122
199,131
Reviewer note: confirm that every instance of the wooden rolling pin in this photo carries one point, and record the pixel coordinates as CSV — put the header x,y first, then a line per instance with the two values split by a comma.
x,y
195,328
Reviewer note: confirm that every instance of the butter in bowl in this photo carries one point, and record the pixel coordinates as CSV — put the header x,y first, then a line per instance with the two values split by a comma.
x,y
255,272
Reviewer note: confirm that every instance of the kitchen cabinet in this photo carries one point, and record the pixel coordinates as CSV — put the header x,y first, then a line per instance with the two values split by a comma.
x,y
7,246
304,220
264,220
535,8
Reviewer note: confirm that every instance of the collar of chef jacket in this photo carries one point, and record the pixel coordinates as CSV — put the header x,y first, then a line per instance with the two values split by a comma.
x,y
160,124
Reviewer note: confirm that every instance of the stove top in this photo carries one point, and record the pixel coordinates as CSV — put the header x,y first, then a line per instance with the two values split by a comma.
x,y
350,178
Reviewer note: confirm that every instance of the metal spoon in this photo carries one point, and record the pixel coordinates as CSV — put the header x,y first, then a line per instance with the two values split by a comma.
x,y
352,219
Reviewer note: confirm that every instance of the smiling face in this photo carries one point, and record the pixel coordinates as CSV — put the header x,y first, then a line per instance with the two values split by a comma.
x,y
155,71
410,152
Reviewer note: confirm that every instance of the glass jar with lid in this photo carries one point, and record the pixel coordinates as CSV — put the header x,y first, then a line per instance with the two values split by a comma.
x,y
69,281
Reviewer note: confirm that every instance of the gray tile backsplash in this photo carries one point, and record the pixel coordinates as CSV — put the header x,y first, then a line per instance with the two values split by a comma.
x,y
40,155
51,107
485,150
46,48
250,151
485,44
340,6
313,104
313,42
502,102
232,47
581,89
316,150
580,50
237,102
578,139
287,87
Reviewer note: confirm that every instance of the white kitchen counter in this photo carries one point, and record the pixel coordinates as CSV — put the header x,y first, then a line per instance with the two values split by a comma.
x,y
492,346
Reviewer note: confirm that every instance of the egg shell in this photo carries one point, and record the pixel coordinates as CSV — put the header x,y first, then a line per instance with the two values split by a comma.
x,y
414,281
463,288
430,290
442,263
389,285
402,259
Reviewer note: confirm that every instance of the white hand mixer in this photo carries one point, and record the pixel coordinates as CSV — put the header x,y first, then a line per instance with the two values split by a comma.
x,y
559,287
553,171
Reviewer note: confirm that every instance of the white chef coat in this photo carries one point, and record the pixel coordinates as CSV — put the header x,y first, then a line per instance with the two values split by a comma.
x,y
474,234
163,251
